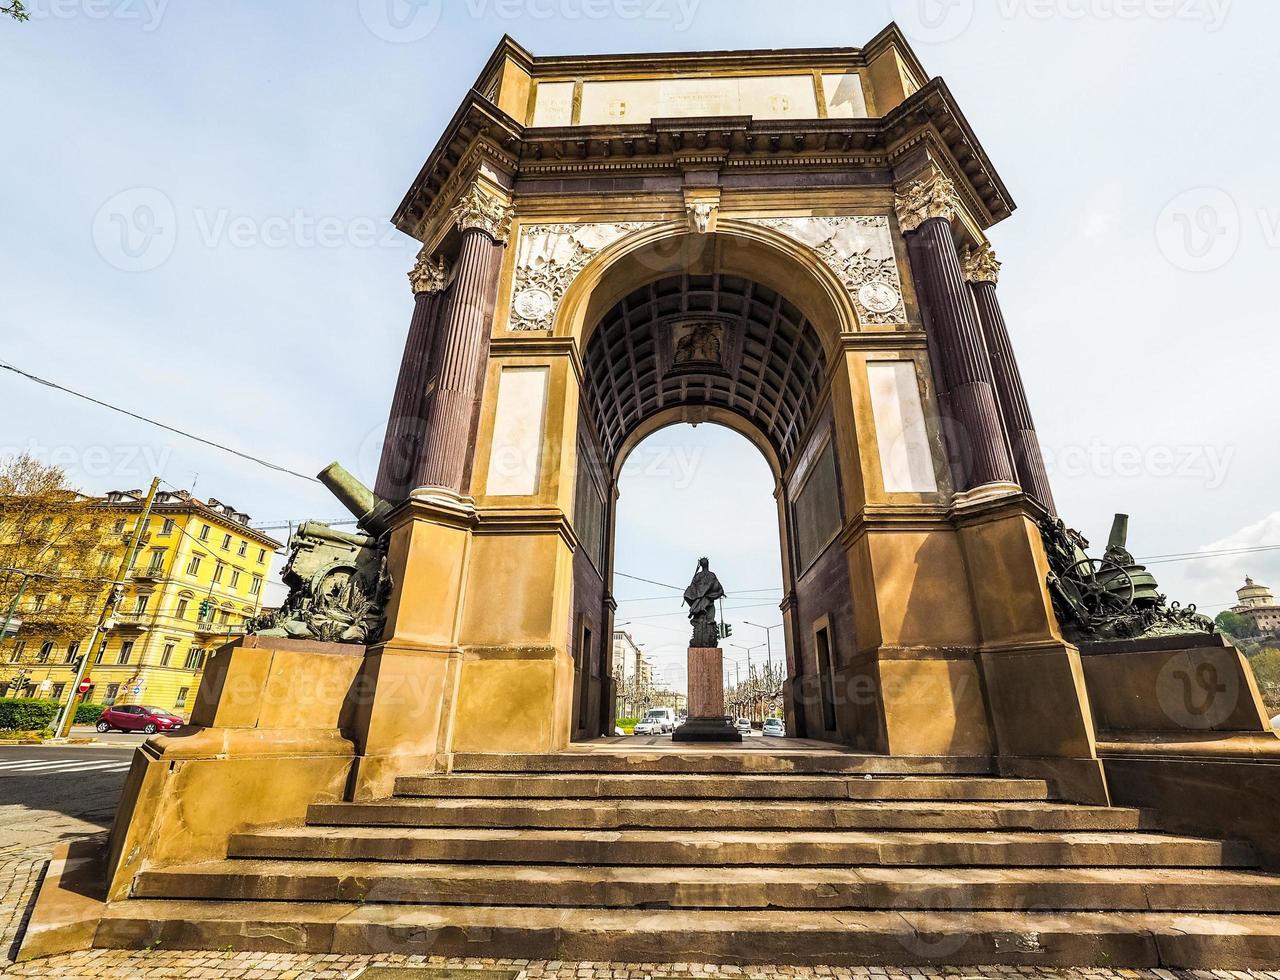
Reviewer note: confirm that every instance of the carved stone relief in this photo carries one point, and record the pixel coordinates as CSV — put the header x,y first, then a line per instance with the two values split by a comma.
x,y
859,250
548,258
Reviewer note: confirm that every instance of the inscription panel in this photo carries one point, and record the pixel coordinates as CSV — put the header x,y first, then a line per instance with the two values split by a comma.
x,y
906,464
516,456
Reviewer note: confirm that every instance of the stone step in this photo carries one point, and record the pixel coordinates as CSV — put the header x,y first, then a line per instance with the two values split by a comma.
x,y
871,888
720,848
719,761
725,815
608,786
885,938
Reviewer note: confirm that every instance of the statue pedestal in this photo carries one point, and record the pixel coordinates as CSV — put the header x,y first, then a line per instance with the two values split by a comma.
x,y
707,721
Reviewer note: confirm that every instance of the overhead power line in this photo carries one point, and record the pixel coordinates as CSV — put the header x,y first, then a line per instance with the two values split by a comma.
x,y
160,425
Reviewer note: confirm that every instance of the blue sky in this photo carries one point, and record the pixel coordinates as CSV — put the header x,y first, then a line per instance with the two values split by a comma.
x,y
272,142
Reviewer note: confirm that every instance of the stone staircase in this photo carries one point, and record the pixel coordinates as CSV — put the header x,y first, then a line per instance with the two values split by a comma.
x,y
732,857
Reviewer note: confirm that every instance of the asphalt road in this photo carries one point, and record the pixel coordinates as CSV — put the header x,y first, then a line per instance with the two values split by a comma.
x,y
50,794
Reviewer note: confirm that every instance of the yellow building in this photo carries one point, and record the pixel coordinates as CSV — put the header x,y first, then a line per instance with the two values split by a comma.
x,y
198,578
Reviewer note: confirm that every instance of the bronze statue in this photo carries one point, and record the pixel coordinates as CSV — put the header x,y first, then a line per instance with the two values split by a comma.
x,y
701,597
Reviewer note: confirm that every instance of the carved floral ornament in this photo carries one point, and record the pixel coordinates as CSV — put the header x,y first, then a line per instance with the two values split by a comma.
x,y
981,264
859,250
548,259
430,274
483,209
930,197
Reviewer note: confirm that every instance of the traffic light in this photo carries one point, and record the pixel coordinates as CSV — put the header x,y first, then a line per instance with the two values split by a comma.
x,y
726,631
205,607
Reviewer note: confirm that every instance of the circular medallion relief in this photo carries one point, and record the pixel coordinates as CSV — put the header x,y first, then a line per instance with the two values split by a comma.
x,y
879,297
533,303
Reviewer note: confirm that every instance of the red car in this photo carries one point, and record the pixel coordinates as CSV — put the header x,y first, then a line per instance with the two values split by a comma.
x,y
138,718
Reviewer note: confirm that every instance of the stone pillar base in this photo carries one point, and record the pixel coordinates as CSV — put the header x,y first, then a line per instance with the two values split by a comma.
x,y
707,721
707,730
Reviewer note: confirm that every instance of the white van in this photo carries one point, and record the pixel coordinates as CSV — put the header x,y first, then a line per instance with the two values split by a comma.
x,y
657,721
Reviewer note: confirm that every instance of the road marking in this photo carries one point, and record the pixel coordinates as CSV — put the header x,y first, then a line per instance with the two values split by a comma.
x,y
35,767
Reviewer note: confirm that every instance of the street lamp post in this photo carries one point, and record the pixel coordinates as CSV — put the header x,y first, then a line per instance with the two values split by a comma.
x,y
768,636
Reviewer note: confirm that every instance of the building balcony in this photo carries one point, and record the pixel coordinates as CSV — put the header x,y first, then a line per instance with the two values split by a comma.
x,y
152,573
211,628
133,621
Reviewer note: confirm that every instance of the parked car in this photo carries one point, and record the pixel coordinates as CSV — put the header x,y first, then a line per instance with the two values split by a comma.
x,y
657,721
773,726
743,725
138,718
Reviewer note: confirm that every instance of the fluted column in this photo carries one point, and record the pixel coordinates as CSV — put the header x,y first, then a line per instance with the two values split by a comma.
x,y
483,219
924,213
982,270
406,425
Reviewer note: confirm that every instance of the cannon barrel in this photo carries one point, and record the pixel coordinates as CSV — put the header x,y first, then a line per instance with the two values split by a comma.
x,y
369,510
1119,532
323,532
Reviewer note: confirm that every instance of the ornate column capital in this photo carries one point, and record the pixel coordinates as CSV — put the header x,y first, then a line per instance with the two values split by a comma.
x,y
981,264
485,209
430,274
934,196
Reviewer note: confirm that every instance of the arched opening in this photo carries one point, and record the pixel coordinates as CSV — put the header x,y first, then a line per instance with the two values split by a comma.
x,y
685,491
732,331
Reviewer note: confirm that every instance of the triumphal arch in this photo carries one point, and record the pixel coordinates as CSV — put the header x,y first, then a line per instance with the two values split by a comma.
x,y
999,743
778,242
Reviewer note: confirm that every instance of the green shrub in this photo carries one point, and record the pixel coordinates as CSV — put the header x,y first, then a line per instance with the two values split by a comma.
x,y
88,714
27,714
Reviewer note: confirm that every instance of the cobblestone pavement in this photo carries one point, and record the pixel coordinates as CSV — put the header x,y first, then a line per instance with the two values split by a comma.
x,y
173,965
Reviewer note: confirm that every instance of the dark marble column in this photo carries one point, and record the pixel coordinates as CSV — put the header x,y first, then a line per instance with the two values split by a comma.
x,y
955,336
982,270
406,426
463,345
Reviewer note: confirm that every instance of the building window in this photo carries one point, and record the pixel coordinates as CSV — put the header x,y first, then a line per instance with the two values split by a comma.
x,y
157,561
141,606
119,527
235,578
102,652
38,604
167,655
46,649
256,587
204,532
58,690
224,617
262,555
73,651
826,684
166,528
182,697
218,571
112,691
244,546
17,651
195,658
126,651
226,542
193,566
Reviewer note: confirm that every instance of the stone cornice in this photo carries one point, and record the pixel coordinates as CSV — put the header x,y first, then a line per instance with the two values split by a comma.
x,y
526,520
858,151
